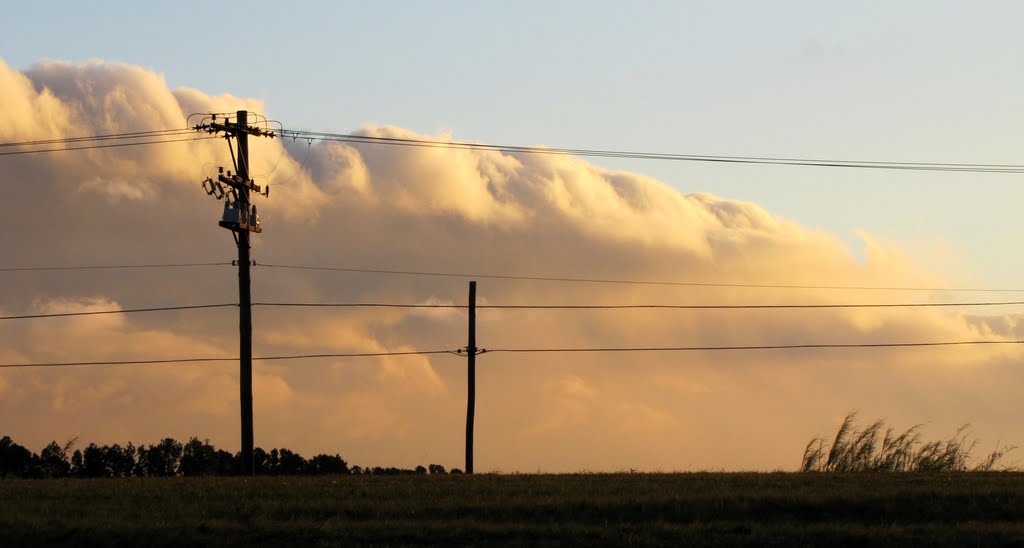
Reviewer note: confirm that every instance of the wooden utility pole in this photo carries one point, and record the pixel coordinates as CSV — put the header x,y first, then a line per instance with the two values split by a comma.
x,y
471,377
244,302
241,219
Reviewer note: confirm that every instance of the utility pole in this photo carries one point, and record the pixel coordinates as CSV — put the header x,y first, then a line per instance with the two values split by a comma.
x,y
471,352
240,218
244,302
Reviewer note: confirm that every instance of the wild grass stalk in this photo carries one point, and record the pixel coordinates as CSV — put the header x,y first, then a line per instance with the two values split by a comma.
x,y
858,450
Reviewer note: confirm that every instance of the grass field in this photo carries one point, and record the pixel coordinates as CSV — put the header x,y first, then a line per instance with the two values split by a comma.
x,y
696,509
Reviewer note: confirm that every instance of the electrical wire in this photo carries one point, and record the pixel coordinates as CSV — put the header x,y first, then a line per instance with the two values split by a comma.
x,y
361,305
750,347
528,350
544,279
207,360
114,145
367,139
108,267
430,143
358,355
512,307
630,282
516,307
120,362
284,152
750,306
124,311
761,160
641,306
107,137
302,166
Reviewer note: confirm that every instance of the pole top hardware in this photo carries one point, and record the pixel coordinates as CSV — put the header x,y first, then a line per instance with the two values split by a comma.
x,y
240,215
237,182
233,129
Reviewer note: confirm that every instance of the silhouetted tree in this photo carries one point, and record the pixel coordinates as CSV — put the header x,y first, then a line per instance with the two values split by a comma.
x,y
390,471
199,458
77,460
273,460
170,458
107,461
141,461
262,464
227,464
53,460
94,463
164,458
15,460
330,464
121,461
290,463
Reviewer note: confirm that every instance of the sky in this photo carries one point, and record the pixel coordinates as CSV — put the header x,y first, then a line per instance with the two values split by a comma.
x,y
908,81
916,81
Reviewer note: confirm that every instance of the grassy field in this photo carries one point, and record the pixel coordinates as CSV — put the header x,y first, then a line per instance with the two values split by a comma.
x,y
698,509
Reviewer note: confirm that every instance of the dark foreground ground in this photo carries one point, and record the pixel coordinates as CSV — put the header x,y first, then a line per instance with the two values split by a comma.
x,y
701,509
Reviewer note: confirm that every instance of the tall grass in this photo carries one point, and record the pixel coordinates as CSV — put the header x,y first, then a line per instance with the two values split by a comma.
x,y
878,448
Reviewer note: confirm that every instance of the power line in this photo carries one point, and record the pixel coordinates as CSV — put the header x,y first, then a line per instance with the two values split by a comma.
x,y
750,347
517,307
356,305
114,145
109,267
749,306
538,278
207,360
124,362
360,355
107,137
761,160
520,306
125,311
629,282
639,306
527,350
433,143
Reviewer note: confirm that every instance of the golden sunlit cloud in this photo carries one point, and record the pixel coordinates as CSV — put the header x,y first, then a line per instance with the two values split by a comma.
x,y
367,206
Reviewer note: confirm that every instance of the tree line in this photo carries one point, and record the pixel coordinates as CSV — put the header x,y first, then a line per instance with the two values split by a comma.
x,y
171,458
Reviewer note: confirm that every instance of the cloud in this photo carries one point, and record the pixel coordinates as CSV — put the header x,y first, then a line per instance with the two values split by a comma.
x,y
405,208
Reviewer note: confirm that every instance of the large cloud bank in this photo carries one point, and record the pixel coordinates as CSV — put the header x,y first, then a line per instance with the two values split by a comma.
x,y
338,204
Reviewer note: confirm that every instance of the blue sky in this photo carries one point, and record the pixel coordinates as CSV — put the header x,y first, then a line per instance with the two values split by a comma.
x,y
898,81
